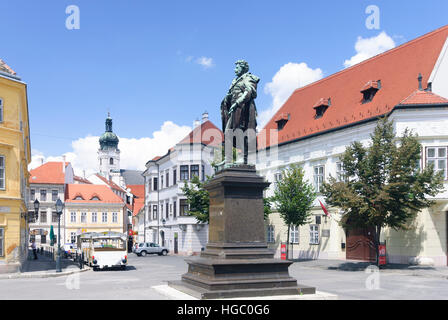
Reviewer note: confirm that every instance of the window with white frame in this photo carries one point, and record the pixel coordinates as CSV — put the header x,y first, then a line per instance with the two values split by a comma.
x,y
94,217
54,217
43,217
437,156
318,177
294,234
72,237
115,217
104,217
54,195
83,217
270,234
32,195
314,234
2,242
278,176
72,216
43,195
1,110
184,172
2,172
340,172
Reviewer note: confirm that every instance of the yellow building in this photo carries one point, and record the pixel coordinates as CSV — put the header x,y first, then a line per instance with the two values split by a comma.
x,y
92,208
15,154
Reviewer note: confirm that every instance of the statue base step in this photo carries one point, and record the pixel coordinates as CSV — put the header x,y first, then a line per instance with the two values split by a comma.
x,y
209,278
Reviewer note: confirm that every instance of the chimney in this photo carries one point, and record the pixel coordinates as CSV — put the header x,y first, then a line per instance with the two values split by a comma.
x,y
63,163
84,173
41,161
196,123
420,78
205,117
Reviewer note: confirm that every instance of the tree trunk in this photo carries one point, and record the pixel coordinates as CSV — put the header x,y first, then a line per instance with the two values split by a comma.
x,y
377,243
287,243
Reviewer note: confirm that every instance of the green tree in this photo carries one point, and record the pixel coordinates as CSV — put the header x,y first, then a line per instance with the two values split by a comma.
x,y
198,198
267,210
383,185
293,197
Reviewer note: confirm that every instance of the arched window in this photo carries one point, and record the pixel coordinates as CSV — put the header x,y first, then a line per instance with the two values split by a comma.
x,y
111,161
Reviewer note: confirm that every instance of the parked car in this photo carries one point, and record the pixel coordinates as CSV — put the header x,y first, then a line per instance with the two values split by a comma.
x,y
150,248
69,250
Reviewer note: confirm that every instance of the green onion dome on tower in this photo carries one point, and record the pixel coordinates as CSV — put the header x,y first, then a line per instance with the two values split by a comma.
x,y
108,139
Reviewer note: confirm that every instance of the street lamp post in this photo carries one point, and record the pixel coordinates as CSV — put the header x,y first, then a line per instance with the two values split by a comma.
x,y
59,207
36,209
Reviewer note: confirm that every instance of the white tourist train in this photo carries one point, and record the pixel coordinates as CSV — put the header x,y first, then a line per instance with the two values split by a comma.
x,y
101,250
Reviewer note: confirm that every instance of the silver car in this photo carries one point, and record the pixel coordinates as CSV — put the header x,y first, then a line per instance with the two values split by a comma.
x,y
150,248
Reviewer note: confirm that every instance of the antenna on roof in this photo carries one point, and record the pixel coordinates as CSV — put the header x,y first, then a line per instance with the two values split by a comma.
x,y
420,87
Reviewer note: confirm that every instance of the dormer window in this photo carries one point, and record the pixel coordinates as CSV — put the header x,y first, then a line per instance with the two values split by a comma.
x,y
369,90
321,106
78,196
281,120
95,197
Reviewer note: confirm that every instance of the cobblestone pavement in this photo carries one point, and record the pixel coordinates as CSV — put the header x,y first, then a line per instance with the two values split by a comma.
x,y
145,272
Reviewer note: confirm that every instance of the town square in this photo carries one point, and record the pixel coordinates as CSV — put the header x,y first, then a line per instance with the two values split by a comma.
x,y
242,151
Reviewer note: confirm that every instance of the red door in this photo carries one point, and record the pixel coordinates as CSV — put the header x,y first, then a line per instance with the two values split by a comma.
x,y
361,245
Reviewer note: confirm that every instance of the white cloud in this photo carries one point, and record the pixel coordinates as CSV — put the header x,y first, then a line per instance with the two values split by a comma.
x,y
369,47
205,62
134,153
290,77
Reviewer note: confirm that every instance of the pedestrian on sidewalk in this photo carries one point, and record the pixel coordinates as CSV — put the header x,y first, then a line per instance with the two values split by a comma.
x,y
33,246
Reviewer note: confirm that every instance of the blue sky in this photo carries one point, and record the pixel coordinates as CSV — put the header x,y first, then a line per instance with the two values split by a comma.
x,y
139,59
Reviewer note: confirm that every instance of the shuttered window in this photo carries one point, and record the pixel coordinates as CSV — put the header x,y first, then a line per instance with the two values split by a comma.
x,y
2,172
2,241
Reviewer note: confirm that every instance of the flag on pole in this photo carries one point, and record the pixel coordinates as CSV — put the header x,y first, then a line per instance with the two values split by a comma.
x,y
324,209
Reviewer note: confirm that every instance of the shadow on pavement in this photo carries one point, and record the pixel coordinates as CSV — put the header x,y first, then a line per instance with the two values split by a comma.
x,y
356,266
45,263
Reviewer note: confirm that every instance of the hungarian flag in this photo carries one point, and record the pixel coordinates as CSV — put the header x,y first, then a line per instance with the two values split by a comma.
x,y
325,209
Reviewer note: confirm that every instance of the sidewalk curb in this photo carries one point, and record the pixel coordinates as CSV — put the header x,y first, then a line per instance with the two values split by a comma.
x,y
41,275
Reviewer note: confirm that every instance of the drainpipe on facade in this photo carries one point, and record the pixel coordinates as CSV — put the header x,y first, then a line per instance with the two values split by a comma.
x,y
158,210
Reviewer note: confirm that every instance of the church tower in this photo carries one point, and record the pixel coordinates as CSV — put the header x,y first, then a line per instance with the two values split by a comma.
x,y
108,153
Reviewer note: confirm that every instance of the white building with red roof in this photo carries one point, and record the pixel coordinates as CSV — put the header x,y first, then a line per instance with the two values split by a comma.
x,y
167,220
316,124
47,184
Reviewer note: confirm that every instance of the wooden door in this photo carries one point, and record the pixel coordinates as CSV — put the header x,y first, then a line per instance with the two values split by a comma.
x,y
361,245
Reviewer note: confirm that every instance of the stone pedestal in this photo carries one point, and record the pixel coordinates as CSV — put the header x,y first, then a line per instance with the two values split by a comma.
x,y
237,261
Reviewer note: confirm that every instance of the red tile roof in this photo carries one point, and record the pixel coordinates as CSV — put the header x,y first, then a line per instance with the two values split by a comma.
x,y
110,183
138,205
5,68
421,97
370,84
397,69
207,133
137,190
88,191
48,173
81,180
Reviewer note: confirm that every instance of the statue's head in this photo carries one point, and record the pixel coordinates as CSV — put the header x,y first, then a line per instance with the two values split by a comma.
x,y
241,67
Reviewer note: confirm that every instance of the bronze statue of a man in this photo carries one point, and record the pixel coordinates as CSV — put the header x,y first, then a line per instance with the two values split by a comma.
x,y
238,109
